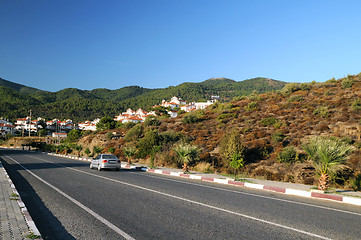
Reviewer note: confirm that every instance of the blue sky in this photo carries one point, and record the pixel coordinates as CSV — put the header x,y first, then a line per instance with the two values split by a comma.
x,y
90,44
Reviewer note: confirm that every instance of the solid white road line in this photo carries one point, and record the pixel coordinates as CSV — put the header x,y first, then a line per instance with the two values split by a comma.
x,y
91,212
254,195
194,202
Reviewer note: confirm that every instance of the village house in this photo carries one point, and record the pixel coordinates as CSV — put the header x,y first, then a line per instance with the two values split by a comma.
x,y
57,126
89,125
6,127
25,124
133,116
175,102
179,103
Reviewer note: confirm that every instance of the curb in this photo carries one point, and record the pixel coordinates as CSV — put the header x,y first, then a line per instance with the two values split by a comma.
x,y
288,191
31,224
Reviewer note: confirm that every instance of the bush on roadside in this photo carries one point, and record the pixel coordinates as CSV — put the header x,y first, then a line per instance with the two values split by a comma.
x,y
288,155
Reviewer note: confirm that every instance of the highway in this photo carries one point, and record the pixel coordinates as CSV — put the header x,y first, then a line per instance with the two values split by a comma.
x,y
67,200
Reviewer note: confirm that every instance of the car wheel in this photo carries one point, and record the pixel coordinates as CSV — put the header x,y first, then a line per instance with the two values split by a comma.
x,y
91,166
99,168
117,169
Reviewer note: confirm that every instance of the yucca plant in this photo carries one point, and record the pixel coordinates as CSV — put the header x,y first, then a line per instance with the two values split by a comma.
x,y
186,154
129,152
328,156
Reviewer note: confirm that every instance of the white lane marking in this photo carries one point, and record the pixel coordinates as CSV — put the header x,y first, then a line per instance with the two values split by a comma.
x,y
194,202
91,212
233,191
252,194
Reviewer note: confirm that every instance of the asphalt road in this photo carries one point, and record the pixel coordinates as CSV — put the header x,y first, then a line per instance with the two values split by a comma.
x,y
67,200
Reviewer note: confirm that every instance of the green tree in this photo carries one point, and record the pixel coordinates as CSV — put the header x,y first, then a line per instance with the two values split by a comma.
x,y
106,123
230,146
150,140
78,148
73,136
151,121
87,151
43,132
134,133
328,156
187,154
237,162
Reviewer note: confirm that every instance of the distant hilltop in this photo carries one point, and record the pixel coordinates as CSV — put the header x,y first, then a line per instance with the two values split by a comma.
x,y
16,100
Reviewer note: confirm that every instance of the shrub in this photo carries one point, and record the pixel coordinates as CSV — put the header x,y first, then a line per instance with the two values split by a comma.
x,y
251,106
87,151
356,105
322,111
148,143
151,121
305,86
111,150
170,136
332,80
268,121
347,82
296,98
238,98
355,182
288,155
97,150
204,167
277,137
192,117
225,117
290,88
134,133
109,135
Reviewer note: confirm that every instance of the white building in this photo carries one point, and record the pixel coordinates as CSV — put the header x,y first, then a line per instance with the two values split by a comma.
x,y
6,127
24,124
88,125
134,116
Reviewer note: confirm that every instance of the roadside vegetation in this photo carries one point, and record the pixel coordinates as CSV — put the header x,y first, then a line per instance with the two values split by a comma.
x,y
307,133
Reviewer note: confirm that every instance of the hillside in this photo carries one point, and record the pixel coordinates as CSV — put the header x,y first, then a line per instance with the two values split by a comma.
x,y
271,128
81,105
18,87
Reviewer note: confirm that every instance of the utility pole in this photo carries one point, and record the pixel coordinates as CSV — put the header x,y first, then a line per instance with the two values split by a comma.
x,y
30,124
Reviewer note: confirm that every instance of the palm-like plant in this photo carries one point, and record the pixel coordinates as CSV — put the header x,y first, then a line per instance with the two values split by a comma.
x,y
129,152
328,156
186,155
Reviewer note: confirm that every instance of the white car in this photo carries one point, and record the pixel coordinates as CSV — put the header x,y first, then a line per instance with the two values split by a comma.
x,y
105,161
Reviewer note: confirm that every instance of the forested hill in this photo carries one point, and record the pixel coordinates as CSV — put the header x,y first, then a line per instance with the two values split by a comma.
x,y
16,100
18,87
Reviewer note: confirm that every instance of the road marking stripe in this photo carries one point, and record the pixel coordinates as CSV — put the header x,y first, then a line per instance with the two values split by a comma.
x,y
195,202
91,212
244,193
255,195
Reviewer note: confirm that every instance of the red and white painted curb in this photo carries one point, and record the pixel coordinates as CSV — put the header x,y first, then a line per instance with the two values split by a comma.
x,y
289,191
24,210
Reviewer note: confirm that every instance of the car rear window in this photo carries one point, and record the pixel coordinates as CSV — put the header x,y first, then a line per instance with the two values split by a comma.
x,y
109,157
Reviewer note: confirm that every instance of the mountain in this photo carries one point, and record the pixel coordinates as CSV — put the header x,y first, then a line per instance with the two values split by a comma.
x,y
79,105
18,87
